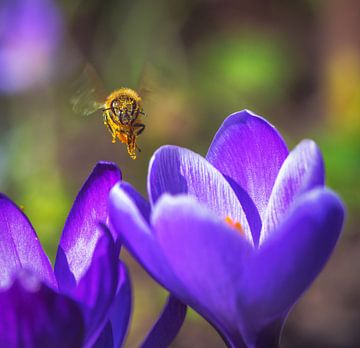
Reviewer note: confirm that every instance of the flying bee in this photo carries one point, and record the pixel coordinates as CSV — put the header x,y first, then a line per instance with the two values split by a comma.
x,y
122,115
122,110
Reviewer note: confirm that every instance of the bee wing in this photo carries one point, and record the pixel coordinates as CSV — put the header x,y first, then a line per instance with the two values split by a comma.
x,y
89,94
83,103
153,83
148,81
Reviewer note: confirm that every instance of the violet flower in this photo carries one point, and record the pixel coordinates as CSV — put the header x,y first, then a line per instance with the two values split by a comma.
x,y
30,31
86,300
238,236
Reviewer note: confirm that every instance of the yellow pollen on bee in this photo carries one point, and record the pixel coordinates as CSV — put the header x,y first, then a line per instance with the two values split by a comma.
x,y
235,224
118,94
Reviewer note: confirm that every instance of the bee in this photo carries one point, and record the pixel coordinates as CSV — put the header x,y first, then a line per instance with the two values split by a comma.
x,y
122,116
122,111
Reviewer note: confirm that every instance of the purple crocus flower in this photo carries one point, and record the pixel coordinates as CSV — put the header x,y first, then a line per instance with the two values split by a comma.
x,y
238,236
85,301
30,31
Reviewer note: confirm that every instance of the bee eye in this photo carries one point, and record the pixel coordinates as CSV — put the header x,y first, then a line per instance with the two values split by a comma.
x,y
115,105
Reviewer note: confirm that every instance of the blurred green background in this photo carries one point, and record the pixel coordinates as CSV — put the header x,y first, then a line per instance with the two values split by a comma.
x,y
297,63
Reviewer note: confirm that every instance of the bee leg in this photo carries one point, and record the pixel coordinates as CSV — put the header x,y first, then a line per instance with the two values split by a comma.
x,y
133,121
140,128
108,122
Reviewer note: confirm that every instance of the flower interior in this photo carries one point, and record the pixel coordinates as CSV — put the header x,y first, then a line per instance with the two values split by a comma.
x,y
236,225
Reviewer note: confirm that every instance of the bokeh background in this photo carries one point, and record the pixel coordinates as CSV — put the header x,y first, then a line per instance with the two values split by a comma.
x,y
295,62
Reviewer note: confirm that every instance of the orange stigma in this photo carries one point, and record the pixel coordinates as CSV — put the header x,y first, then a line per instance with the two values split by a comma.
x,y
236,225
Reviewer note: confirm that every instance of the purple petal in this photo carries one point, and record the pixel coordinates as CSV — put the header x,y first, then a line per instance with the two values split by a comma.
x,y
207,256
33,315
249,152
290,260
167,326
302,171
141,203
175,170
121,307
80,233
105,340
269,336
136,234
19,246
97,288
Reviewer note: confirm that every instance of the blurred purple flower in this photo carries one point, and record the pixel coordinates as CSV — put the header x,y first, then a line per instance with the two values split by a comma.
x,y
86,300
243,232
30,31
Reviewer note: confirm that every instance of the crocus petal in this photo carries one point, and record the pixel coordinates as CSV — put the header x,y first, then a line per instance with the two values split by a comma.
x,y
121,307
136,234
206,255
142,204
176,170
249,152
290,260
302,171
167,326
20,247
33,315
97,288
79,236
105,340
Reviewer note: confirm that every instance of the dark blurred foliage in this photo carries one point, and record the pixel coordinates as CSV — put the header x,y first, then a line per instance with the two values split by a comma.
x,y
297,63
